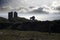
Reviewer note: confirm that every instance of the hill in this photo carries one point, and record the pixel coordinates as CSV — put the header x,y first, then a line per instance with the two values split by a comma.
x,y
3,20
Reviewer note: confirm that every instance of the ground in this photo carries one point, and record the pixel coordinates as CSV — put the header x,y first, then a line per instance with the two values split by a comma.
x,y
27,35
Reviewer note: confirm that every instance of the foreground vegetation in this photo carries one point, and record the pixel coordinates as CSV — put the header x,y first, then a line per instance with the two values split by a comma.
x,y
27,35
24,29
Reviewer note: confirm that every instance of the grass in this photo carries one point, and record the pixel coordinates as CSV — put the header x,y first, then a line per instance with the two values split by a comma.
x,y
27,35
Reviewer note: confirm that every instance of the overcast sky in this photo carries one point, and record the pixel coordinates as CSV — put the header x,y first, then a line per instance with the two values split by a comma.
x,y
25,2
37,6
13,4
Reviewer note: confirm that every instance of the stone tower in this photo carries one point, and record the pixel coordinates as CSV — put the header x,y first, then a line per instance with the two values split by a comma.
x,y
10,15
15,14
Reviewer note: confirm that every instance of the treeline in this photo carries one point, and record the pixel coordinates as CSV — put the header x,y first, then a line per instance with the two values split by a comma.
x,y
30,25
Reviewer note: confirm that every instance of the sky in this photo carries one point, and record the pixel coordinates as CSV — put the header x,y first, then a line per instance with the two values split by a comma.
x,y
32,6
29,5
24,2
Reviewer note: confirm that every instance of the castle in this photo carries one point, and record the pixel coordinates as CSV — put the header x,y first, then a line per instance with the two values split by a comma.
x,y
15,14
12,15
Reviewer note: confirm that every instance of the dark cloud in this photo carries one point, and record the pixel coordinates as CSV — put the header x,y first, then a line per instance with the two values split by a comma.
x,y
3,2
39,10
58,8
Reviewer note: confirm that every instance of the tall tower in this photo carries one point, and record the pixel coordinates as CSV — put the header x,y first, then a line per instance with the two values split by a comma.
x,y
10,16
15,14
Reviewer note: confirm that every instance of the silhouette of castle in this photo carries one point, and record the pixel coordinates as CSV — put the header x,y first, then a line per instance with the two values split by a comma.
x,y
15,14
32,18
12,15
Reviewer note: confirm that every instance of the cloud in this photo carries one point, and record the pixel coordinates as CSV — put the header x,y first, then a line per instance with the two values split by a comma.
x,y
57,8
30,5
4,3
25,3
39,10
5,8
54,7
